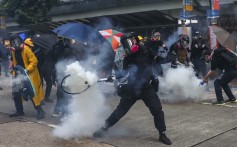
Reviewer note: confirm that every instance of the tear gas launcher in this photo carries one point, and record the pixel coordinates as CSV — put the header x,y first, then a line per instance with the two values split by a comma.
x,y
108,79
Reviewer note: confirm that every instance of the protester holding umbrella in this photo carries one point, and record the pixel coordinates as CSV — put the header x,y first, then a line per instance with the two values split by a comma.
x,y
23,56
60,52
224,59
63,51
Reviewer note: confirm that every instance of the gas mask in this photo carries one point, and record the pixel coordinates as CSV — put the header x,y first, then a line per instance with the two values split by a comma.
x,y
16,42
156,36
184,43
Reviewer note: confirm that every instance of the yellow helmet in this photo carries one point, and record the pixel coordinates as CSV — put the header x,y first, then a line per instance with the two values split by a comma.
x,y
29,42
140,38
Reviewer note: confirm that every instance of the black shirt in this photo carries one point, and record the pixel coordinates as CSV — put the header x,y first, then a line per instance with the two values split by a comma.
x,y
197,50
154,44
60,52
218,61
19,58
138,65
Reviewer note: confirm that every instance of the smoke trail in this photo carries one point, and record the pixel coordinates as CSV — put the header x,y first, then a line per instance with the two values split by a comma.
x,y
87,111
181,85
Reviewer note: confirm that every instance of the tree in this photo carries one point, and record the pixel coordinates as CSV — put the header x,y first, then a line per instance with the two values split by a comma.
x,y
28,11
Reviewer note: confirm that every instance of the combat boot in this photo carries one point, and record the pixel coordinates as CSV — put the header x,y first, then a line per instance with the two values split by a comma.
x,y
17,113
164,139
40,113
101,132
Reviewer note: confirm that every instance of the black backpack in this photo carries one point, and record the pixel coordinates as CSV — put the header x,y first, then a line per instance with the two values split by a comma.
x,y
229,56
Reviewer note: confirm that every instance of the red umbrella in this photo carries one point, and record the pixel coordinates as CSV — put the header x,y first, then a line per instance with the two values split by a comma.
x,y
113,37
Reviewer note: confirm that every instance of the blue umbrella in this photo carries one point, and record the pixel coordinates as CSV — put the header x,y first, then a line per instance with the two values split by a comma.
x,y
79,31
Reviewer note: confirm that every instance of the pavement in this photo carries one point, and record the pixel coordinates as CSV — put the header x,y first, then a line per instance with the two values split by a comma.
x,y
188,124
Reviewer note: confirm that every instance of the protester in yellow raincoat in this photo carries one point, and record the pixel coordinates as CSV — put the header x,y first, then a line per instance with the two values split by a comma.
x,y
24,56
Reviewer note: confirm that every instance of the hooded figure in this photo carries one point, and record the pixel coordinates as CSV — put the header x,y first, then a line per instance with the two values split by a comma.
x,y
24,57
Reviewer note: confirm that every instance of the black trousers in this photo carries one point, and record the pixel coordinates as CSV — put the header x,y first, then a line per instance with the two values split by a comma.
x,y
222,82
157,69
19,103
151,100
62,100
46,75
200,66
49,83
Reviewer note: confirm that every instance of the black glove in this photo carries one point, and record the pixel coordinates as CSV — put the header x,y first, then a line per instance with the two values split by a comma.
x,y
166,49
157,58
109,79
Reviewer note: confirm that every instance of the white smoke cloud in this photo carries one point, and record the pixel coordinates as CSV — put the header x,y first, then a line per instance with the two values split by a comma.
x,y
87,111
17,82
181,85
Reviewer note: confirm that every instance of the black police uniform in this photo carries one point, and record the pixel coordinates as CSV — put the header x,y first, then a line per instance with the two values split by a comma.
x,y
230,72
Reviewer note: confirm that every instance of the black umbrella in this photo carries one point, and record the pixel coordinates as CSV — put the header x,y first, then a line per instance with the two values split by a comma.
x,y
3,34
45,41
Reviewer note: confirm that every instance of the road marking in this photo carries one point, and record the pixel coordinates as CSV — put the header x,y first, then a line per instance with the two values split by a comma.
x,y
47,124
225,105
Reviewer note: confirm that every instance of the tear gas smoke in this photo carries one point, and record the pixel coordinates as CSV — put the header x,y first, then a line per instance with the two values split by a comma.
x,y
87,111
5,82
181,85
18,82
171,39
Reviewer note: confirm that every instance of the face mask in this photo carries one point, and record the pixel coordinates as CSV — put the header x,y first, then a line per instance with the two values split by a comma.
x,y
157,36
184,43
134,41
207,59
16,43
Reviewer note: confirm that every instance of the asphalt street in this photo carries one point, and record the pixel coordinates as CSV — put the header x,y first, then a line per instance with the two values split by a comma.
x,y
188,124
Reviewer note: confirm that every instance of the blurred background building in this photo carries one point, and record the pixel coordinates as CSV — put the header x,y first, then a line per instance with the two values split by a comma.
x,y
140,16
